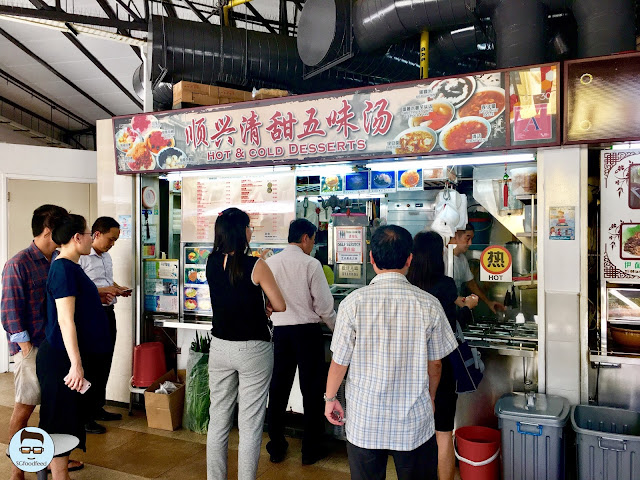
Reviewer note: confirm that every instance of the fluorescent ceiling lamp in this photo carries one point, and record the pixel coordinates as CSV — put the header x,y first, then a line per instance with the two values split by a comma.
x,y
436,162
81,29
235,172
626,146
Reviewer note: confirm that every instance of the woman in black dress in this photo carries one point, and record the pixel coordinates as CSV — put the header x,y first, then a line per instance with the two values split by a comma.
x,y
427,272
77,336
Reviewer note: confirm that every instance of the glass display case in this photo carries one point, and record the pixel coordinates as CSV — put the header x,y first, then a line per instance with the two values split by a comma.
x,y
620,325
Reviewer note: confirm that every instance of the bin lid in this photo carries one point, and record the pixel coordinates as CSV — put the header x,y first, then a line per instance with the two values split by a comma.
x,y
547,409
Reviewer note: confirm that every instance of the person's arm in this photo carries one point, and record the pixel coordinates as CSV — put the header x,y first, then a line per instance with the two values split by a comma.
x,y
470,302
475,288
333,410
434,371
321,296
263,276
122,290
13,307
66,309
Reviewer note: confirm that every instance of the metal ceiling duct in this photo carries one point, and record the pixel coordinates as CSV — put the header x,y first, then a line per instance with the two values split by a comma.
x,y
604,26
378,23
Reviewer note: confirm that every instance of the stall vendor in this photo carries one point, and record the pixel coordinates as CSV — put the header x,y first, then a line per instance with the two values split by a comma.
x,y
461,271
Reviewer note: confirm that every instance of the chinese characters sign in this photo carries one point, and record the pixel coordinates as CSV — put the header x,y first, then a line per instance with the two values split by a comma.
x,y
495,264
349,244
427,116
620,215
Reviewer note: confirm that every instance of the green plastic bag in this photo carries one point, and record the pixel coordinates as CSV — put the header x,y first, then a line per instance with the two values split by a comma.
x,y
197,400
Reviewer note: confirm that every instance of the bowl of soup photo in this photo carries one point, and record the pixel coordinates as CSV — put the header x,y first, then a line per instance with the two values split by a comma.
x,y
487,103
465,134
415,140
440,113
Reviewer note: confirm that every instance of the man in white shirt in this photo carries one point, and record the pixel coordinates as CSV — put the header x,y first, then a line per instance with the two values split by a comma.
x,y
99,268
298,341
461,271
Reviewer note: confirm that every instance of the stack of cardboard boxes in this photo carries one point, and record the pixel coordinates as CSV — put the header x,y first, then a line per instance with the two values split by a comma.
x,y
189,94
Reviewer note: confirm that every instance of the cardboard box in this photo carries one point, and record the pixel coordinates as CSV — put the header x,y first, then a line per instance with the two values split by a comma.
x,y
165,411
200,94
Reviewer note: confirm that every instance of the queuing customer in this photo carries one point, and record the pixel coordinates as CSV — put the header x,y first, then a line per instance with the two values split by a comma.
x,y
462,273
98,266
24,282
298,341
76,339
427,272
241,354
391,335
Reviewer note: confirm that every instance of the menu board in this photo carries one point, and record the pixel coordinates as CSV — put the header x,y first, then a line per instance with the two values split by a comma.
x,y
455,114
196,298
620,216
161,285
601,99
269,200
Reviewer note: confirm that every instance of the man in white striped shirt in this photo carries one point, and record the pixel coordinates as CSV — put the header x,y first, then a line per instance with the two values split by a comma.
x,y
298,341
392,336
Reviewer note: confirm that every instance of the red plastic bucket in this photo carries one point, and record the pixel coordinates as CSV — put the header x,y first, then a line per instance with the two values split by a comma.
x,y
478,449
148,363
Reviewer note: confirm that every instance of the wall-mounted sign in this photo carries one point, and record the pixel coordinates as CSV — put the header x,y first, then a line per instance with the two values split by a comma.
x,y
349,244
459,114
495,264
562,223
620,216
601,99
346,270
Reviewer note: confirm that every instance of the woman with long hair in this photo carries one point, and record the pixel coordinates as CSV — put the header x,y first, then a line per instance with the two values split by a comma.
x,y
427,272
241,354
77,338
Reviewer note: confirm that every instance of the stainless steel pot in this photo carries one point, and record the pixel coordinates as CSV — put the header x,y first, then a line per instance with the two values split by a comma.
x,y
521,257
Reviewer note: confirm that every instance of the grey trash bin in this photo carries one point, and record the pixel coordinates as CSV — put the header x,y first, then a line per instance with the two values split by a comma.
x,y
532,432
607,441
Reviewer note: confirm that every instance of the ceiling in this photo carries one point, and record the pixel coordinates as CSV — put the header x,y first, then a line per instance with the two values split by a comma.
x,y
52,91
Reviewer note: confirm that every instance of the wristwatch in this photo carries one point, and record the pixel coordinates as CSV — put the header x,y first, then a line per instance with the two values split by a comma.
x,y
330,399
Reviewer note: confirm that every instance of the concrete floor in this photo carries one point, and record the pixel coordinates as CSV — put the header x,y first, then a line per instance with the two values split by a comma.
x,y
130,450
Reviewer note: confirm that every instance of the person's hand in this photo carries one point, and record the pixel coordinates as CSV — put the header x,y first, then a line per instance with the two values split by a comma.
x,y
495,306
73,380
471,301
25,348
334,412
124,292
106,298
268,309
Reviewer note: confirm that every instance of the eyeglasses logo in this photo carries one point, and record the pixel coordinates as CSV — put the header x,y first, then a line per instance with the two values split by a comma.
x,y
31,449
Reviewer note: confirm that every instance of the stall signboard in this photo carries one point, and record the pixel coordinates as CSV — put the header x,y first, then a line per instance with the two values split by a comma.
x,y
349,244
268,199
620,216
601,99
457,114
496,264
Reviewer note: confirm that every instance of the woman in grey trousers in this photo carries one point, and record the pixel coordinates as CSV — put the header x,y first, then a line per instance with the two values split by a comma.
x,y
241,355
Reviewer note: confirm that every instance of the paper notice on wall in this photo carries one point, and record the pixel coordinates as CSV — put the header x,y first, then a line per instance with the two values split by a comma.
x,y
349,244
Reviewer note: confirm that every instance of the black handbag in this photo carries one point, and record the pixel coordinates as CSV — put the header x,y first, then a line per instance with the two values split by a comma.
x,y
467,365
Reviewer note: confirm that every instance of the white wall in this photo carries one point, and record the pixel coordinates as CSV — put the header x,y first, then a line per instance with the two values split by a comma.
x,y
562,282
37,163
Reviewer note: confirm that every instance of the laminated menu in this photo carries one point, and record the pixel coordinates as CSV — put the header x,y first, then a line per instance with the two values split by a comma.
x,y
161,285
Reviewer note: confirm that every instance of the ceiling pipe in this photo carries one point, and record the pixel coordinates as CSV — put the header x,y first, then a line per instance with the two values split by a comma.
x,y
604,26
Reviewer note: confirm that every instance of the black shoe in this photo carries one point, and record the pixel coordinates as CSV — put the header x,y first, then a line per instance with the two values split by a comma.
x,y
277,451
105,416
93,427
311,458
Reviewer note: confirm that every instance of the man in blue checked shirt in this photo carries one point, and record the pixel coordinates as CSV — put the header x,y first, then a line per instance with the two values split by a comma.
x,y
392,336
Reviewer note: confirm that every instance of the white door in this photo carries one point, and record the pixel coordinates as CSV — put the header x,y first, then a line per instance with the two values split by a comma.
x,y
27,195
24,196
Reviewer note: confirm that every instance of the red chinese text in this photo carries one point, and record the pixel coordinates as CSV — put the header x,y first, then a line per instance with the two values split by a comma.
x,y
250,129
282,126
196,133
340,119
376,118
223,127
311,126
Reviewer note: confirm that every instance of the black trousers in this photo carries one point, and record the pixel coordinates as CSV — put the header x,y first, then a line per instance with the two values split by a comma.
x,y
98,395
418,464
301,346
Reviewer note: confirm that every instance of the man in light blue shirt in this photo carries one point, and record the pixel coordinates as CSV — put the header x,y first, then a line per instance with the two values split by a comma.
x,y
99,268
